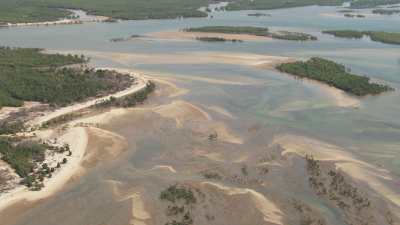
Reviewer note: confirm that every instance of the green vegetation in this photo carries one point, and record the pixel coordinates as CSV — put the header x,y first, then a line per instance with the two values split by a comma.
x,y
257,31
275,4
217,39
46,10
258,14
333,74
29,75
346,11
385,37
212,175
28,11
175,193
386,11
22,156
354,15
293,36
181,200
379,36
345,33
11,127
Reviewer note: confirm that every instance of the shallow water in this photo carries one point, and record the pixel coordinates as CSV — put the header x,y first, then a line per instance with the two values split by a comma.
x,y
278,104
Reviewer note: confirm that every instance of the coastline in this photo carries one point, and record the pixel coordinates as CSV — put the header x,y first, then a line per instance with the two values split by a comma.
x,y
76,137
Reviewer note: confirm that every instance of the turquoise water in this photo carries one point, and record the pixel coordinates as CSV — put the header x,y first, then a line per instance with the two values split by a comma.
x,y
371,131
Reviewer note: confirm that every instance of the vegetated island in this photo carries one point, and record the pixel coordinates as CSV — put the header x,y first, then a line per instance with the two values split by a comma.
x,y
378,36
258,14
217,39
386,11
256,31
349,15
53,81
335,75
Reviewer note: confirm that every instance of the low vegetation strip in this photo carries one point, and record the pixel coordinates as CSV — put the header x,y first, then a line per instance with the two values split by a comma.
x,y
29,75
335,75
379,36
249,30
257,31
275,4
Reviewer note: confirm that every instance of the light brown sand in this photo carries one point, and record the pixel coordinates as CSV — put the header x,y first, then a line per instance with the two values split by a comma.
x,y
182,112
139,213
164,167
104,145
208,57
182,35
221,111
339,97
272,214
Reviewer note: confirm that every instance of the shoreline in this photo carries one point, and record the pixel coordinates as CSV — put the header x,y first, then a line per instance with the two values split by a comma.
x,y
75,136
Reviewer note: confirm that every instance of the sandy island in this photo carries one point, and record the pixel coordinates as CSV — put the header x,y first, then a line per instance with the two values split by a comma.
x,y
182,35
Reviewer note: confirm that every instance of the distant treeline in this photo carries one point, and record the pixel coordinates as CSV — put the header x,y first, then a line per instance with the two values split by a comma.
x,y
335,75
29,75
379,36
276,4
47,10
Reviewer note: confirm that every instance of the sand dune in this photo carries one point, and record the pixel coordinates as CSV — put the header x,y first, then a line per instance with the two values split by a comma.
x,y
164,167
221,111
139,213
104,145
182,112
